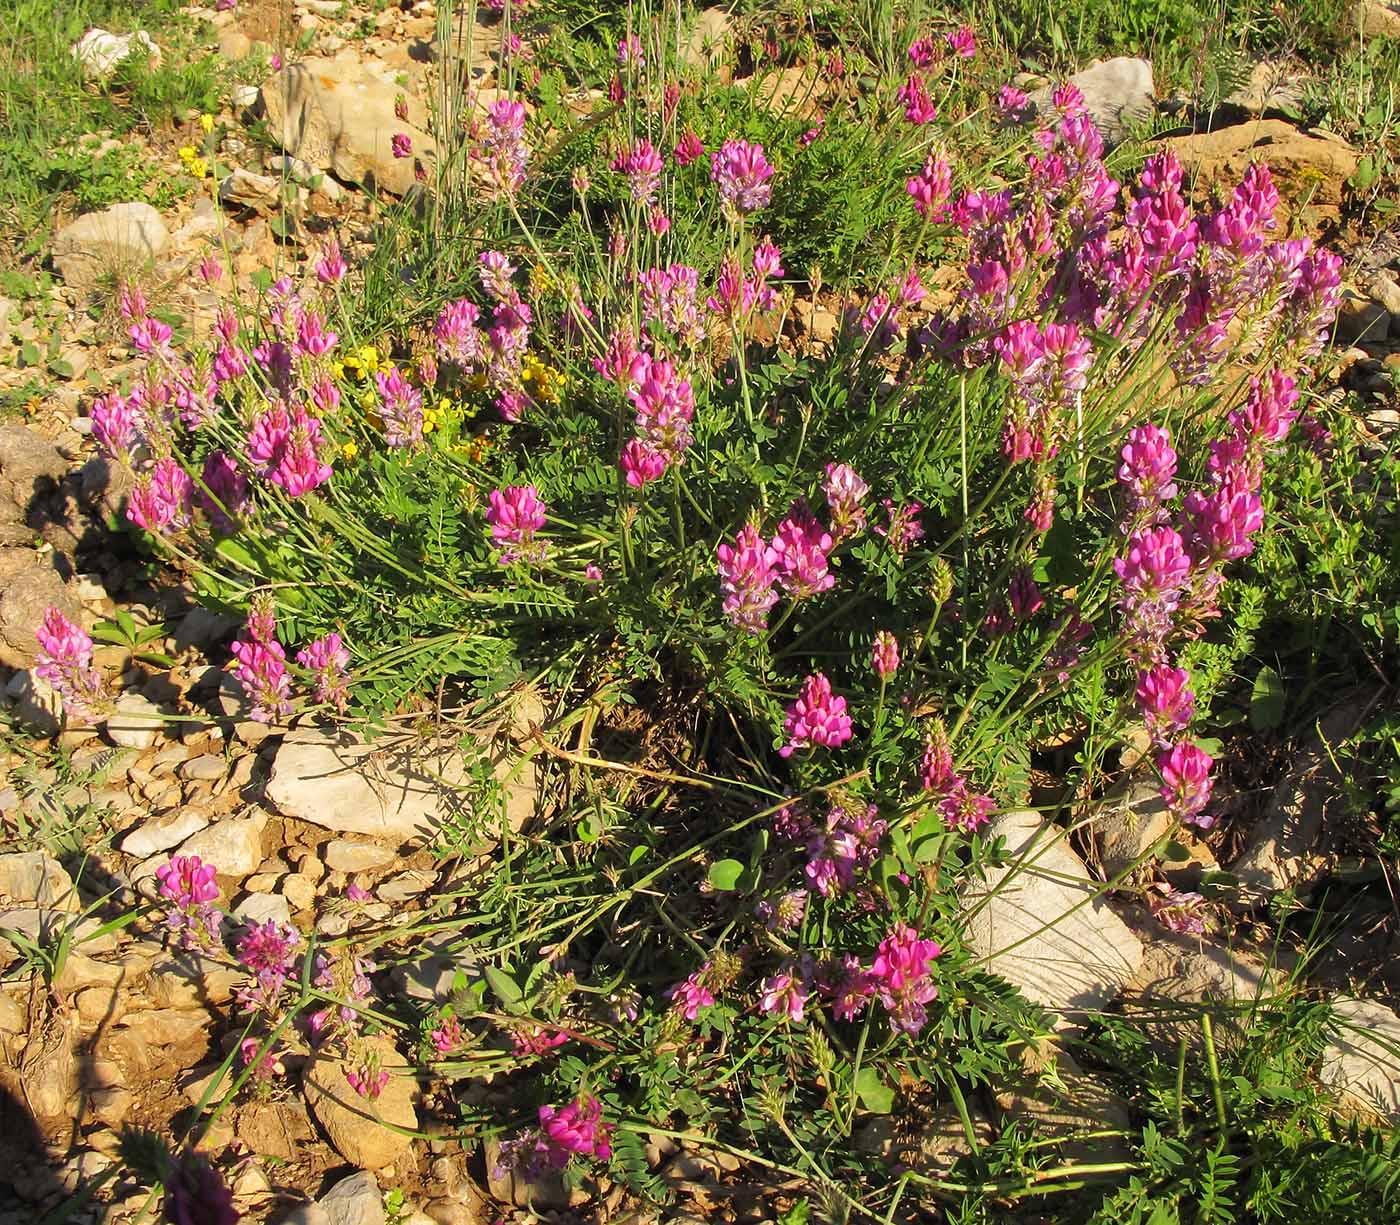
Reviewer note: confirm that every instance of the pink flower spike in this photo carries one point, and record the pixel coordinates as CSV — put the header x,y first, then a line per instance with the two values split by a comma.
x,y
884,655
688,149
817,717
516,514
742,172
1186,782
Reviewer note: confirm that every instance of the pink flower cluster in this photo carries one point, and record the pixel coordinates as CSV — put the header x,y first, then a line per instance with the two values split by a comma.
x,y
267,952
285,448
503,150
327,660
816,718
573,1130
840,852
65,663
742,172
262,666
690,996
187,883
400,408
515,515
737,294
962,808
665,407
499,350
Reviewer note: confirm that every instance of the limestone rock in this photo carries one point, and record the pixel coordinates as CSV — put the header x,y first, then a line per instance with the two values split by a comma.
x,y
1273,859
1378,19
35,878
1129,823
1037,923
264,908
1271,87
233,845
384,789
1304,166
29,586
136,722
1361,1059
99,51
1118,94
117,239
260,192
354,1201
343,855
710,40
337,115
1060,1099
30,469
355,1124
1360,320
190,980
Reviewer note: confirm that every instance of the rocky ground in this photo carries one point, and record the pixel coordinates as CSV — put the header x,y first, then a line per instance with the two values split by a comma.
x,y
122,1028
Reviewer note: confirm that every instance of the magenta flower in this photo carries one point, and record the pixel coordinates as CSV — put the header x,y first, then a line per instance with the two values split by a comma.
x,y
665,405
784,994
641,463
331,268
1153,574
1220,524
448,1036
211,270
1023,595
224,492
918,106
516,514
1013,105
262,671
669,298
884,655
283,447
401,145
817,717
495,270
327,659
845,493
114,423
1147,473
747,573
848,986
936,769
266,951
504,149
931,187
1186,782
65,663
924,52
691,995
903,528
688,149
576,1129
844,848
1178,911
901,976
641,163
1165,700
800,549
964,809
458,338
161,498
742,172
536,1041
195,1194
784,915
312,337
368,1079
187,883
629,53
400,408
962,42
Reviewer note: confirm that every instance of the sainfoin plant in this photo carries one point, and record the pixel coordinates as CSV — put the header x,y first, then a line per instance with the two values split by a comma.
x,y
876,576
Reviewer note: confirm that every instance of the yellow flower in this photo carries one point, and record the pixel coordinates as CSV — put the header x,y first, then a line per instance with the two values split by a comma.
x,y
187,153
199,167
349,451
369,358
339,369
206,121
540,281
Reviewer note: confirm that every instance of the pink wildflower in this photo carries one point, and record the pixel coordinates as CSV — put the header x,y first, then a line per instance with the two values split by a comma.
x,y
742,172
817,717
331,268
918,106
401,145
884,655
1165,700
690,996
688,149
65,662
845,493
1186,782
326,658
962,42
800,549
747,572
283,447
400,408
901,975
515,516
784,994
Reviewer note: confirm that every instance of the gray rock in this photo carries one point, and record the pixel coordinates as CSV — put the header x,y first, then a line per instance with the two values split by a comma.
x,y
203,629
355,1124
1129,823
1361,321
1362,1060
1061,1099
1118,94
710,40
35,878
407,885
256,191
354,1201
343,855
135,723
99,51
431,974
1039,924
170,1026
35,702
1386,291
207,767
1271,87
158,834
29,586
190,980
233,845
1273,859
118,239
387,790
1378,18
264,908
337,115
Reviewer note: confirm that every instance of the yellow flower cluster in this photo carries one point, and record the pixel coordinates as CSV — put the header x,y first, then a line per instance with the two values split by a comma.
x,y
439,414
547,382
359,363
540,281
192,162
